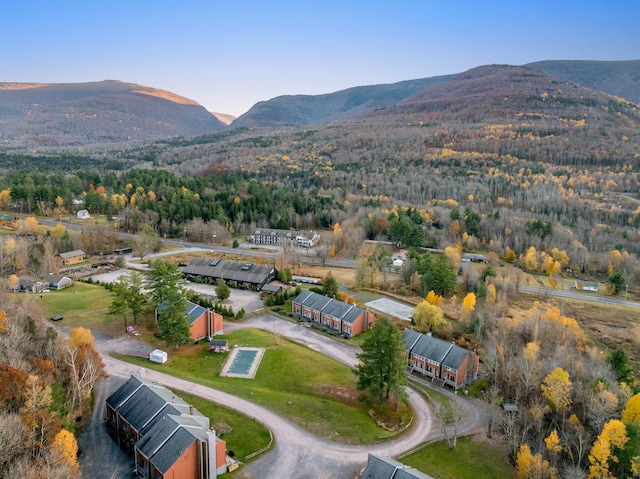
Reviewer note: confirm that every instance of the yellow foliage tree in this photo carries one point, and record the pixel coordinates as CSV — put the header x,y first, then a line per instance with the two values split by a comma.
x,y
58,231
5,198
556,388
434,298
530,466
3,321
531,262
12,282
614,434
65,447
560,256
428,317
81,336
469,303
552,442
510,255
491,293
631,413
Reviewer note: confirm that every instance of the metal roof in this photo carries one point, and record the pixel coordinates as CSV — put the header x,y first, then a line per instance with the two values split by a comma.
x,y
230,271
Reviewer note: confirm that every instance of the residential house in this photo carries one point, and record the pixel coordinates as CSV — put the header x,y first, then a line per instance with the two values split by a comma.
x,y
167,437
440,360
29,285
203,322
7,221
238,275
218,346
272,288
474,258
399,258
347,319
382,467
586,285
59,281
72,257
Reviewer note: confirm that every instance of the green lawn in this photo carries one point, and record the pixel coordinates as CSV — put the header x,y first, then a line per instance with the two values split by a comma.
x,y
314,391
85,305
248,435
470,460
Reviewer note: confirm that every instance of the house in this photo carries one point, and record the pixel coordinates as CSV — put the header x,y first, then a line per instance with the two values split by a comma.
x,y
218,346
83,215
272,288
399,258
382,467
586,285
347,319
28,285
203,322
72,257
167,437
268,236
235,274
440,360
59,281
7,221
474,258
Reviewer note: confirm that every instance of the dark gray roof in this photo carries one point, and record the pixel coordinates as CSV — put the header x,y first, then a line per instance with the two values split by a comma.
x,y
410,337
431,348
56,278
455,357
124,392
271,288
229,270
352,315
218,342
174,445
380,467
302,297
337,309
72,254
316,301
164,437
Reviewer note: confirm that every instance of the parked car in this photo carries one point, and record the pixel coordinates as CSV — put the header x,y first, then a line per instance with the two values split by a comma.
x,y
57,317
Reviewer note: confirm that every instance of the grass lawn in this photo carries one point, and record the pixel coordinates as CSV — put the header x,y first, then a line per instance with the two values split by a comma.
x,y
248,435
470,460
314,391
85,305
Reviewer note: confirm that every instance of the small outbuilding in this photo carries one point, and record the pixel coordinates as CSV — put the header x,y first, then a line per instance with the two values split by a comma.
x,y
587,285
83,215
218,346
158,356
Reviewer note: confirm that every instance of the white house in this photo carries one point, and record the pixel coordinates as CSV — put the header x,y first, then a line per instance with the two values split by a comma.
x,y
83,215
586,285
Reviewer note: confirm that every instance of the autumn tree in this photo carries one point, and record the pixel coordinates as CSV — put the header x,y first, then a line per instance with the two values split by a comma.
x,y
64,451
603,453
531,466
469,304
631,412
84,366
428,317
434,298
556,388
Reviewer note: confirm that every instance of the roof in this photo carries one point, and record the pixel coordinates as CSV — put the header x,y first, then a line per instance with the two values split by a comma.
x,y
192,310
410,337
219,343
593,284
316,301
72,254
353,314
229,270
381,467
431,348
337,309
392,308
271,288
473,256
169,438
455,357
56,278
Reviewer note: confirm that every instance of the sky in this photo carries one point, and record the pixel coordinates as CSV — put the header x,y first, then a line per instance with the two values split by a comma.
x,y
229,55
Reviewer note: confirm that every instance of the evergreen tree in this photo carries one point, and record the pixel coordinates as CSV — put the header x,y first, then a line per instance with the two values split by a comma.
x,y
173,324
382,368
222,290
437,275
120,290
330,286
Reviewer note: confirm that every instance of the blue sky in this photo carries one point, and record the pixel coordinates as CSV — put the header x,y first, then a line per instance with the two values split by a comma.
x,y
229,55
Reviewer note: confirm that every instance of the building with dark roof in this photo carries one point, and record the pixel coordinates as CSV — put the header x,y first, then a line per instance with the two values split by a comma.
x,y
166,436
203,322
348,319
382,467
440,360
237,275
59,281
72,257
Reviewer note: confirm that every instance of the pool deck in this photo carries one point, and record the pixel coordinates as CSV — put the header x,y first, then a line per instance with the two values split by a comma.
x,y
251,373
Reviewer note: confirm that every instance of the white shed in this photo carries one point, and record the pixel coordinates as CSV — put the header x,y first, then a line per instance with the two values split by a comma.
x,y
158,356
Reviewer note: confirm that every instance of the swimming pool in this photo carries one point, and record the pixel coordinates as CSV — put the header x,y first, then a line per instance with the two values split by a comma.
x,y
242,362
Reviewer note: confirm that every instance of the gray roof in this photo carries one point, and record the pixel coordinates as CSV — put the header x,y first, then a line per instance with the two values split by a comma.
x,y
272,288
302,297
229,270
353,314
219,342
380,467
410,337
169,438
125,391
72,254
455,357
56,278
315,301
431,348
337,309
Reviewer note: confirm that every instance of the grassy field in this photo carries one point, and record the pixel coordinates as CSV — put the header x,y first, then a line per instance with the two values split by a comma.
x,y
315,392
470,460
247,436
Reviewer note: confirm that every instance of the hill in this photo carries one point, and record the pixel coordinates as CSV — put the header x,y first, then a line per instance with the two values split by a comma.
x,y
300,110
619,78
35,114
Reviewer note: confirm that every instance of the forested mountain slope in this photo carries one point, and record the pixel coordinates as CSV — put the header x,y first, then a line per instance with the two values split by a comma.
x,y
302,110
619,78
83,114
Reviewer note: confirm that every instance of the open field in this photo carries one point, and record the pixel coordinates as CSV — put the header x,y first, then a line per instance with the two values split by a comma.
x,y
470,460
314,391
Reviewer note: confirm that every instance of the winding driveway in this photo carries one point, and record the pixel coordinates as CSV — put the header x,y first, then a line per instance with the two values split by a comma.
x,y
297,453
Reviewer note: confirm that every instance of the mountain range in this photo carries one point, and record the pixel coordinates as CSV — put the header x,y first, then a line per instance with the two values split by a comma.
x,y
47,116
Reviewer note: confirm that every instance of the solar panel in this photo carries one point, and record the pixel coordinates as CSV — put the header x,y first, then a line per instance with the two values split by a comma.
x,y
214,262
